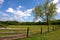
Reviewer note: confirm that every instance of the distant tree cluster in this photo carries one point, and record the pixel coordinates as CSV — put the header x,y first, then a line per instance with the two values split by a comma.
x,y
6,23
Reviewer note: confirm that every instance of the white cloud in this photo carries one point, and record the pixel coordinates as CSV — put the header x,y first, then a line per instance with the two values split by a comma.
x,y
58,9
3,14
28,11
1,1
19,7
5,17
11,18
21,13
57,6
55,1
10,10
25,17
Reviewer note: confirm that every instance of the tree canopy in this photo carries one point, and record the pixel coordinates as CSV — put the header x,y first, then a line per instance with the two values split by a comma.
x,y
45,12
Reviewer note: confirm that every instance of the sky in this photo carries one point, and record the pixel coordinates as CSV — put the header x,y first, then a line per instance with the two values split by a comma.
x,y
21,10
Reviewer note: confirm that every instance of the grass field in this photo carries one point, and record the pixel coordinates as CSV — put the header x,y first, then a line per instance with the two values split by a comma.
x,y
33,29
48,36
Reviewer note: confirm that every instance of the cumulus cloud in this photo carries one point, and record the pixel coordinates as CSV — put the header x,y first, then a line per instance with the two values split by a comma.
x,y
10,10
1,1
3,16
19,14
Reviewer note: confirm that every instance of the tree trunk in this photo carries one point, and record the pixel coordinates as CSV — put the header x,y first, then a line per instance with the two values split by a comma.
x,y
47,19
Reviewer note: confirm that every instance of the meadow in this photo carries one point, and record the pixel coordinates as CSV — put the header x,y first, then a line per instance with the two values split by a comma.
x,y
47,36
22,29
35,32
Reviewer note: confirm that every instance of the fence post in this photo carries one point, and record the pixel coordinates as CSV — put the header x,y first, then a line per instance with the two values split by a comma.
x,y
48,29
53,28
27,32
58,27
41,30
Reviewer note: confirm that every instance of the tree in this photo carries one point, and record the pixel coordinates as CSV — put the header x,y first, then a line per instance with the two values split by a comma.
x,y
45,12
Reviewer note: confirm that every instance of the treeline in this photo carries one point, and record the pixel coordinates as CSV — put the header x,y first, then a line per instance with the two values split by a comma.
x,y
56,22
9,23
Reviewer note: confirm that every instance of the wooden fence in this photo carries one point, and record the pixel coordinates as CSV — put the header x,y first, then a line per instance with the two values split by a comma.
x,y
28,31
41,30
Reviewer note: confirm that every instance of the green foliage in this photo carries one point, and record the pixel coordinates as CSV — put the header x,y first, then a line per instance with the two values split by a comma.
x,y
6,23
45,12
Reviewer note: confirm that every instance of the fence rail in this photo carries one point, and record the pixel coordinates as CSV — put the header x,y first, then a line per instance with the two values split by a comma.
x,y
27,31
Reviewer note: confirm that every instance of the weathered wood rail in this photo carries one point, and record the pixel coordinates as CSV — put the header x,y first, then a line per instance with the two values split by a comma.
x,y
12,37
21,35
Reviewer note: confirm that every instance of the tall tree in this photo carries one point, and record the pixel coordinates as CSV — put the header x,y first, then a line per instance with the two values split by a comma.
x,y
45,12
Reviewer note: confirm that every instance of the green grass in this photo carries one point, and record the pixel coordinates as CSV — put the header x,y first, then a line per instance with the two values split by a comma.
x,y
47,36
6,34
33,29
25,26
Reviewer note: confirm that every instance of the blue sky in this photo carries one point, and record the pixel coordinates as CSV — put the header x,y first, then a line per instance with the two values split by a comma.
x,y
21,10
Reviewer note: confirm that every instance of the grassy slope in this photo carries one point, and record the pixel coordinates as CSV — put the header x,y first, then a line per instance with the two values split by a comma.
x,y
48,36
